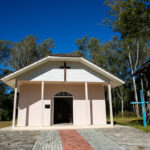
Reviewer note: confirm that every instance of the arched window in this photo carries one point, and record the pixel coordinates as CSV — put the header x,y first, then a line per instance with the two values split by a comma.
x,y
63,94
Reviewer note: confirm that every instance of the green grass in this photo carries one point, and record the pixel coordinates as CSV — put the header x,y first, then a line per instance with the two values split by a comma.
x,y
132,122
147,129
127,121
4,124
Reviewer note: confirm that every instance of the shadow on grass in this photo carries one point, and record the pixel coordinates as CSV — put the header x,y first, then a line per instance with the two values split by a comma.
x,y
136,122
131,122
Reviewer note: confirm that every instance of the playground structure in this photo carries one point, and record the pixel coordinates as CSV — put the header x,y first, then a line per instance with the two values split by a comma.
x,y
144,71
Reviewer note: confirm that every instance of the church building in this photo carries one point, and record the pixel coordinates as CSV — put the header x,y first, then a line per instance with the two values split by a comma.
x,y
61,89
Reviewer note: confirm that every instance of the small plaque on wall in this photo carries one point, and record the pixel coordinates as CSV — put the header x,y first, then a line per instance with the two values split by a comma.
x,y
47,106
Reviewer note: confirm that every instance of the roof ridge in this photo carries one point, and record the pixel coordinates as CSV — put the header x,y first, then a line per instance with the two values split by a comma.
x,y
65,55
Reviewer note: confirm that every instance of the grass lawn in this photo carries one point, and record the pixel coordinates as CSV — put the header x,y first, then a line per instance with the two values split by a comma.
x,y
128,121
131,121
5,124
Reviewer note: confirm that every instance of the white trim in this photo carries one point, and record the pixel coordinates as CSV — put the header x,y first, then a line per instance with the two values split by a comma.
x,y
42,99
86,101
24,69
62,96
60,127
73,101
53,112
52,115
14,106
102,70
110,104
86,91
50,112
116,81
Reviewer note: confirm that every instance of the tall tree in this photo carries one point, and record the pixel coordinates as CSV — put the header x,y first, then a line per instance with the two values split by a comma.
x,y
115,65
131,19
109,56
90,49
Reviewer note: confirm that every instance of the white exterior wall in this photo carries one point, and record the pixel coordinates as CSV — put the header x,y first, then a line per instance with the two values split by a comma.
x,y
81,112
79,118
35,118
98,107
30,104
77,90
97,96
46,113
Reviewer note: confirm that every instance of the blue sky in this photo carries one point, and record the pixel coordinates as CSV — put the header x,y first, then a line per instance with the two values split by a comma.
x,y
64,21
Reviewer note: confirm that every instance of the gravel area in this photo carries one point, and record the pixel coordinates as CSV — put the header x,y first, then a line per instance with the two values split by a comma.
x,y
128,137
18,140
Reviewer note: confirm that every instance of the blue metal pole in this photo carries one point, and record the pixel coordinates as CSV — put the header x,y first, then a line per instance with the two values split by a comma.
x,y
143,109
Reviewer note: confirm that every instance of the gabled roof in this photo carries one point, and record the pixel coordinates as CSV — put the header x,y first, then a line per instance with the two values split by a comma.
x,y
115,81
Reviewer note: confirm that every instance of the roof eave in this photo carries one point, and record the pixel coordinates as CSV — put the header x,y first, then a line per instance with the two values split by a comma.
x,y
117,81
106,72
11,75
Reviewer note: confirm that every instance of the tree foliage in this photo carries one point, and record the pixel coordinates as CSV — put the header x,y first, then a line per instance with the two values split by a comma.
x,y
6,99
28,51
131,19
17,55
4,51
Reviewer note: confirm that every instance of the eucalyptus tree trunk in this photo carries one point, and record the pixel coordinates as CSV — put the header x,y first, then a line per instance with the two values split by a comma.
x,y
122,108
136,97
133,78
120,95
142,87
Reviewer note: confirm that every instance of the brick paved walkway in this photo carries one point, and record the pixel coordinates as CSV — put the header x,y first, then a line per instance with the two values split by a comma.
x,y
74,140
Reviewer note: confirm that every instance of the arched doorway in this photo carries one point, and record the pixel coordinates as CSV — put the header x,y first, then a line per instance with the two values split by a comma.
x,y
63,108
